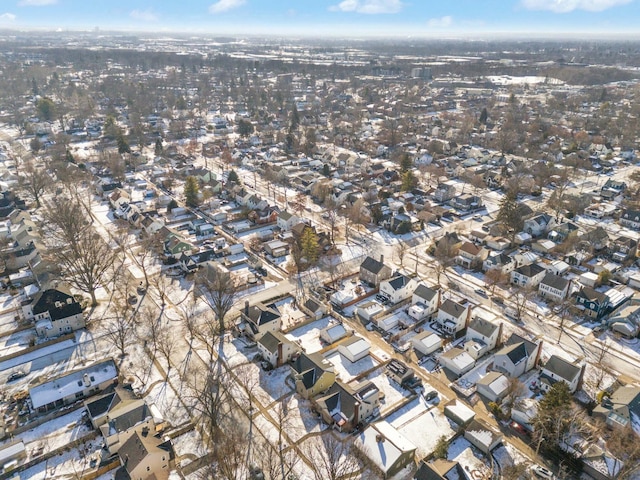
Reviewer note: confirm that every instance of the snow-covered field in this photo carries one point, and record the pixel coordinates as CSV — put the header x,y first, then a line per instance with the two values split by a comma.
x,y
347,370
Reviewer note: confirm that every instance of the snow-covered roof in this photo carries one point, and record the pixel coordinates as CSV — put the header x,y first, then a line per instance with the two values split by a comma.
x,y
72,383
383,444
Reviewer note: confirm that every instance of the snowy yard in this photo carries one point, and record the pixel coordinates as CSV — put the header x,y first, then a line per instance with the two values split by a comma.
x,y
308,336
421,426
392,392
347,370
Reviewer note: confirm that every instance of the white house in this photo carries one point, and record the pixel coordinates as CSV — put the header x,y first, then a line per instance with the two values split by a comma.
x,y
354,348
55,312
457,361
528,275
275,348
453,317
538,225
287,220
369,310
517,356
559,370
482,337
426,342
500,261
424,302
397,289
554,287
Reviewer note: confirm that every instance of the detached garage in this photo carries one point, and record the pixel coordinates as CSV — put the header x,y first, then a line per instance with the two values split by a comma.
x,y
354,348
426,342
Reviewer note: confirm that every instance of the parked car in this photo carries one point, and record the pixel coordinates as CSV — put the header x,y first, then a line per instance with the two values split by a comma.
x,y
497,299
542,472
16,375
430,395
481,292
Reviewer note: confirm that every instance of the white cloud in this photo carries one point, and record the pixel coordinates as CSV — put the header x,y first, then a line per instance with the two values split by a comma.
x,y
442,22
7,17
36,3
147,15
565,6
368,6
225,5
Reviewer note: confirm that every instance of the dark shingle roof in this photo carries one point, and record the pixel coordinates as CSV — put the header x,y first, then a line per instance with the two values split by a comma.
x,y
452,308
59,304
562,368
425,292
555,281
399,282
483,327
372,265
530,270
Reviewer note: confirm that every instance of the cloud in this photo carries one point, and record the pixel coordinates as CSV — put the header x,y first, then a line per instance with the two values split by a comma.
x,y
36,3
7,17
565,6
371,7
225,5
442,22
147,15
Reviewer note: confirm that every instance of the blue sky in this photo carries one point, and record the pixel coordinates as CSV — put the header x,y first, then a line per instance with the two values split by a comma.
x,y
404,18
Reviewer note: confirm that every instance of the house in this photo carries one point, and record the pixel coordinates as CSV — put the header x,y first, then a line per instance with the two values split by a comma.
x,y
630,218
98,407
264,216
73,386
275,348
517,356
559,370
191,262
146,456
333,333
397,289
345,406
287,220
482,437
594,304
453,317
424,302
524,412
373,271
439,469
314,308
466,202
458,412
500,261
623,249
151,225
494,386
471,256
386,448
367,311
426,342
482,336
444,193
260,318
399,372
125,418
596,239
625,320
621,408
538,225
554,287
119,197
354,348
54,312
457,361
599,464
313,374
528,275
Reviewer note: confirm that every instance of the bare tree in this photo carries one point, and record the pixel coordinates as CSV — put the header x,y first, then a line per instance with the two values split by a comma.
x,y
495,277
401,249
332,458
520,298
624,445
120,326
83,256
34,181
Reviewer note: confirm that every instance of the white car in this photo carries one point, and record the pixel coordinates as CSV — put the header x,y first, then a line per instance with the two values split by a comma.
x,y
542,472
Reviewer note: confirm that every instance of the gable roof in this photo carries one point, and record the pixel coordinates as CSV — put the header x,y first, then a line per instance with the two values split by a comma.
x,y
57,302
425,292
555,281
372,265
261,314
270,340
138,446
530,270
311,366
562,368
483,327
399,281
452,308
589,293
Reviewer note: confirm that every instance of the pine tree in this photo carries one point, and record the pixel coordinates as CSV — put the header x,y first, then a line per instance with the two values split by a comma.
x,y
405,163
509,213
409,181
309,246
158,148
191,191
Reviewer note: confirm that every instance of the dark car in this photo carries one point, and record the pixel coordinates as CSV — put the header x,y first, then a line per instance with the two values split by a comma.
x,y
497,299
430,395
16,375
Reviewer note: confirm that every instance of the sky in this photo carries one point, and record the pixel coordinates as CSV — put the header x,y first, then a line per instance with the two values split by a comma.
x,y
384,18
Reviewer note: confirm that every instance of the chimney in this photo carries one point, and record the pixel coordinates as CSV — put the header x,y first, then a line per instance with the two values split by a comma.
x,y
381,258
279,360
356,413
246,307
499,340
145,431
379,438
85,379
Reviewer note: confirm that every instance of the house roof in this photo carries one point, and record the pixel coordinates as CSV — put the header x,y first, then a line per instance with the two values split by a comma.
x,y
517,349
270,340
530,271
57,302
138,446
311,366
261,314
286,216
125,417
372,265
495,381
470,248
342,398
452,308
589,293
562,368
425,292
398,282
483,327
555,281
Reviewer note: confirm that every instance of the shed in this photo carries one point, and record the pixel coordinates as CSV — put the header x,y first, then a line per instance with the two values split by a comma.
x,y
332,333
426,342
493,386
457,411
482,437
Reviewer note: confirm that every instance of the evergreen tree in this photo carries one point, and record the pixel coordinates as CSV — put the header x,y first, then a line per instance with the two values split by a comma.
x,y
484,115
46,109
123,144
245,128
442,448
553,418
158,148
405,163
233,177
191,191
509,214
309,246
409,181
295,118
326,170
